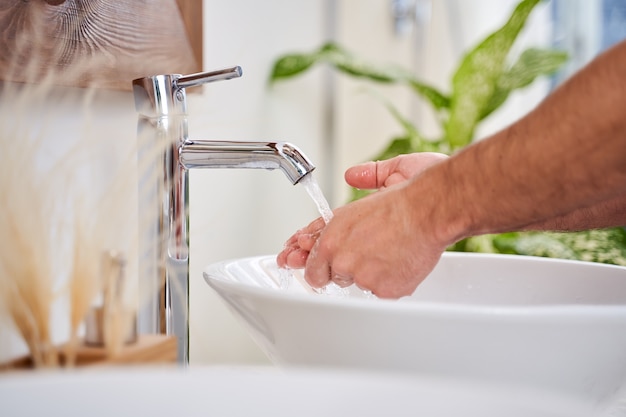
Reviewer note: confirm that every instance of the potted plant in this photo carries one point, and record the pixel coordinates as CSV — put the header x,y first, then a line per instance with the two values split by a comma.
x,y
482,82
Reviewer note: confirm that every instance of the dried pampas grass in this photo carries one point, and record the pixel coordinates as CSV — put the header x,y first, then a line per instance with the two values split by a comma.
x,y
27,231
54,226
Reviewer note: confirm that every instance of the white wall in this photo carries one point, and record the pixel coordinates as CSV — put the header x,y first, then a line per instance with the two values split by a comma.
x,y
245,213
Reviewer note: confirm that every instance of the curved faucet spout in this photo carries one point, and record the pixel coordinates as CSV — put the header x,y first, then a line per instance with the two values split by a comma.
x,y
161,105
231,154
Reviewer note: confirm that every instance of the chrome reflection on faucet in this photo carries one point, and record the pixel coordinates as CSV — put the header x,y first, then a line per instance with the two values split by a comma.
x,y
165,155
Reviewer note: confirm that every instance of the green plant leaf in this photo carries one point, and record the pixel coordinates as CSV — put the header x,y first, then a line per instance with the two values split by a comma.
x,y
432,95
342,60
476,78
602,245
357,194
290,65
354,66
417,142
531,64
398,146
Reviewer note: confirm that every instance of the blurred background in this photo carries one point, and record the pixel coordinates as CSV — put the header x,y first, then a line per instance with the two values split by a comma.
x,y
330,117
238,213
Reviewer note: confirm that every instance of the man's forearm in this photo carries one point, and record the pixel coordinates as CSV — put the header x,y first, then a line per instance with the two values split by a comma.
x,y
609,213
567,155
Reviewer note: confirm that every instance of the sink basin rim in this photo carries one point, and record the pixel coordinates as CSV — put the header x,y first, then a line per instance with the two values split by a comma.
x,y
214,276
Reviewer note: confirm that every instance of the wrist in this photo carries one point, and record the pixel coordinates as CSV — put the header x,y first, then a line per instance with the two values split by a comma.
x,y
437,209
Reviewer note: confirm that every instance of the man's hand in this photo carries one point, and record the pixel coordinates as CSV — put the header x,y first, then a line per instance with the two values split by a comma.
x,y
368,217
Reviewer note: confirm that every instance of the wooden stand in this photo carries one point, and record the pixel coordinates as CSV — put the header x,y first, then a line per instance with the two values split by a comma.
x,y
148,349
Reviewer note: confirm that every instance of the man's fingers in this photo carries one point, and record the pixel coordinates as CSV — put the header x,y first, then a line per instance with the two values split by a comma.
x,y
362,176
297,258
317,269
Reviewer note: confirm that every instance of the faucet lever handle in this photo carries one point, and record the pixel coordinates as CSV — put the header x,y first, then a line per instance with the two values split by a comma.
x,y
192,80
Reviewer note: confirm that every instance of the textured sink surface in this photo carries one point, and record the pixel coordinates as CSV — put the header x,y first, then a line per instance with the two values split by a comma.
x,y
543,323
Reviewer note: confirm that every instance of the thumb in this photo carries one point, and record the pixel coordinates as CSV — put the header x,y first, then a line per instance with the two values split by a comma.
x,y
362,176
371,175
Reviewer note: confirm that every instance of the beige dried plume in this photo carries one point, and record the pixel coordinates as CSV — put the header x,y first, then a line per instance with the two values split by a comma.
x,y
53,227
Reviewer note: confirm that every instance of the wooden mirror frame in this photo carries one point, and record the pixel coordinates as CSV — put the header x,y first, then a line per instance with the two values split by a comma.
x,y
102,43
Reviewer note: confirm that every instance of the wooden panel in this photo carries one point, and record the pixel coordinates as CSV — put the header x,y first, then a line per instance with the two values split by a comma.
x,y
191,13
148,349
103,42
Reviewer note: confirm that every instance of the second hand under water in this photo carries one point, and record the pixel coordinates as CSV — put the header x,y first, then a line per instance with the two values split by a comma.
x,y
312,187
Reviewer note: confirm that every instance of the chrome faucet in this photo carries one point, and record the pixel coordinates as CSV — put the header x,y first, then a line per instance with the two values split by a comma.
x,y
165,156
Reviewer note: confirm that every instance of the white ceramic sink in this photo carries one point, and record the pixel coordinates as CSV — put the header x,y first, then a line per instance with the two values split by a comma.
x,y
543,323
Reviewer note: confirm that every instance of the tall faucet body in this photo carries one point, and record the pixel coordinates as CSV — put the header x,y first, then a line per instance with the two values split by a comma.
x,y
165,156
